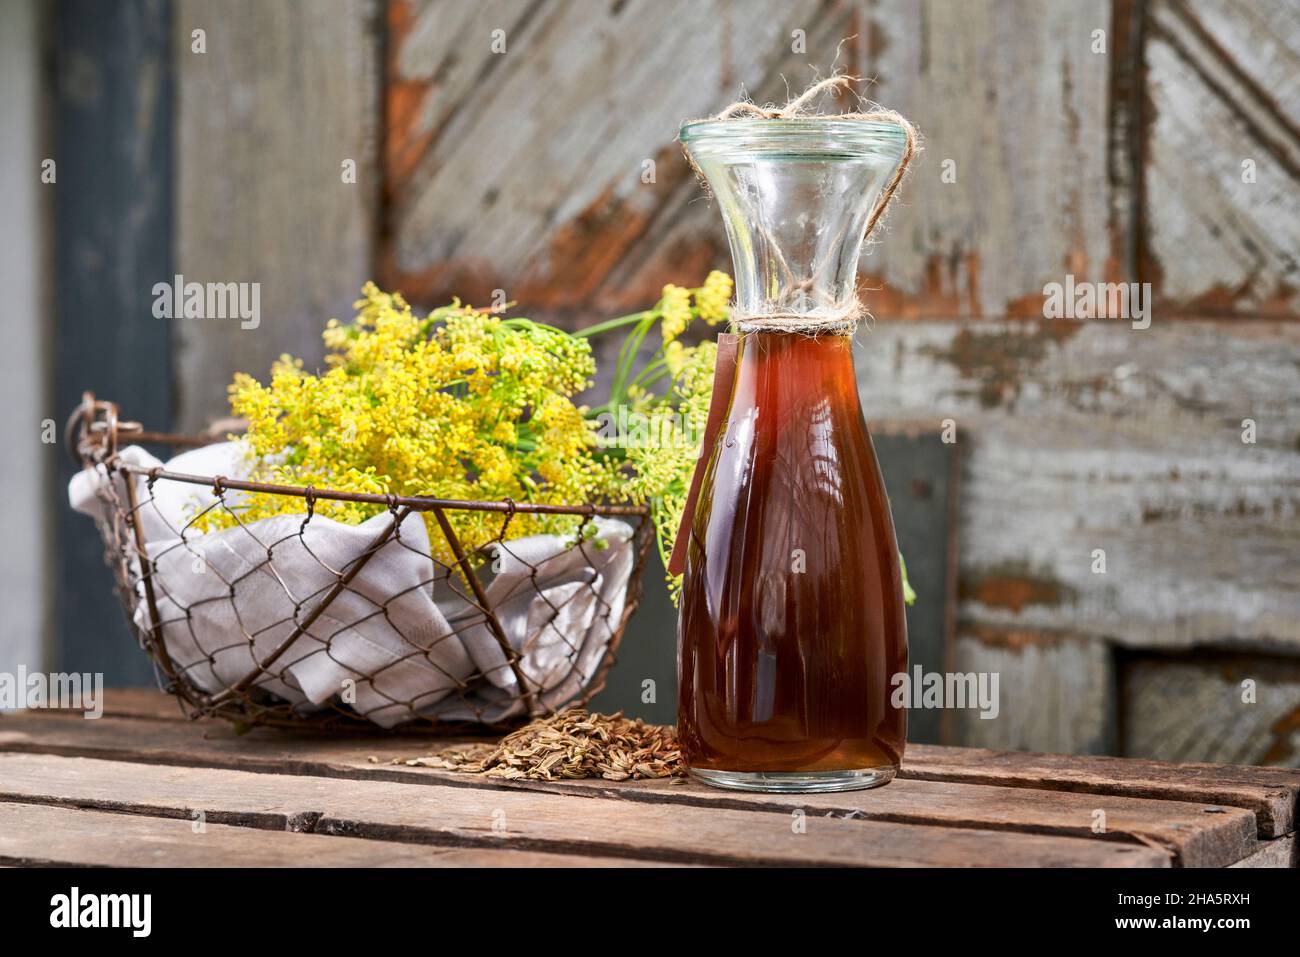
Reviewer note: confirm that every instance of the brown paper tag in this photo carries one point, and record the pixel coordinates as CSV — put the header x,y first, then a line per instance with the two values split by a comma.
x,y
724,376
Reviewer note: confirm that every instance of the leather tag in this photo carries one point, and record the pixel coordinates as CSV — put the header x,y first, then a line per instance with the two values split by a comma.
x,y
724,376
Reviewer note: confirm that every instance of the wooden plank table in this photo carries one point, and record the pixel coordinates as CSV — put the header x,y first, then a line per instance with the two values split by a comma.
x,y
144,786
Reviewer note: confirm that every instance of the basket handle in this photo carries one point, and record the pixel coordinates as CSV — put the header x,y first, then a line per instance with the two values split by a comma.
x,y
84,421
78,426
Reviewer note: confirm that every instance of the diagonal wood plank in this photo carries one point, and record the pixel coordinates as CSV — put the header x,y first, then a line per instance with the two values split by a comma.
x,y
1197,835
37,834
1189,707
1222,157
576,227
479,817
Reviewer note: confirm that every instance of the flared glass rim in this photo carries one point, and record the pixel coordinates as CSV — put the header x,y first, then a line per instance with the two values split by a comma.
x,y
816,135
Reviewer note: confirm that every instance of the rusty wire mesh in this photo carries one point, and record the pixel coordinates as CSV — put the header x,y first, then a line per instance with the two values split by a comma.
x,y
348,627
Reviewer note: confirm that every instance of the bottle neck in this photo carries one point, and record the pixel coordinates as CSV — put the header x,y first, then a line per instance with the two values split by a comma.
x,y
796,198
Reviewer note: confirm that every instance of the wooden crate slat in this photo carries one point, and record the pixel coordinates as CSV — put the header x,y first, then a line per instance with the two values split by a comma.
x,y
139,703
1196,834
1047,474
262,193
1279,852
1270,792
472,816
1076,436
37,834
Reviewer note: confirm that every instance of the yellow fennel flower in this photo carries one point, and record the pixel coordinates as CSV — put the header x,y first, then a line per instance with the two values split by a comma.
x,y
713,299
460,404
676,309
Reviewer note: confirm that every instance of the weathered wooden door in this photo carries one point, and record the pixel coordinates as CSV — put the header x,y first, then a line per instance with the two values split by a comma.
x,y
1129,485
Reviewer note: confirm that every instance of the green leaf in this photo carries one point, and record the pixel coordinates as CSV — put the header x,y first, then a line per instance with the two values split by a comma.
x,y
909,596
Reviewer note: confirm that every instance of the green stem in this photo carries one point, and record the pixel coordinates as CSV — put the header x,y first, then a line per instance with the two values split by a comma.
x,y
626,356
656,509
609,324
656,370
522,323
653,380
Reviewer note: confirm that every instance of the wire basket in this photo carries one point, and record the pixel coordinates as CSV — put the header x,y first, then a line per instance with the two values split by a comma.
x,y
303,622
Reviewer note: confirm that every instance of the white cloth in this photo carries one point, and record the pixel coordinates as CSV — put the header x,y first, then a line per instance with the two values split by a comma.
x,y
559,606
404,636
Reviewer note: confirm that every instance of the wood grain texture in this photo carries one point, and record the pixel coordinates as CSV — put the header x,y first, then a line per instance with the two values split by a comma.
x,y
1194,832
40,835
1270,792
522,170
1223,85
1025,136
515,819
1280,852
1174,707
1077,437
138,702
285,93
1193,837
1108,146
1056,691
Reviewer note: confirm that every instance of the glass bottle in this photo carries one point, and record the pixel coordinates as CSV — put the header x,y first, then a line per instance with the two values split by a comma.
x,y
792,618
